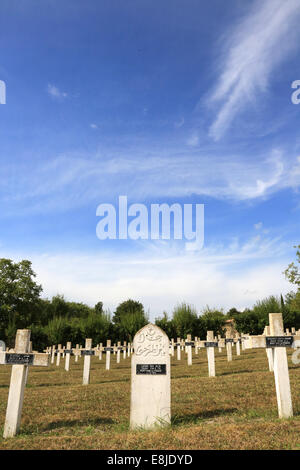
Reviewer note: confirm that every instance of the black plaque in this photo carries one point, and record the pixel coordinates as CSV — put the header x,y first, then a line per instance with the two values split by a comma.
x,y
229,340
211,344
279,341
190,343
16,358
107,349
88,352
68,351
120,348
151,369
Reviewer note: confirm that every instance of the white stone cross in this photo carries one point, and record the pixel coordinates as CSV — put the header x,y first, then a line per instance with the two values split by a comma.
x,y
87,353
100,351
76,355
20,359
58,353
196,344
150,404
210,345
269,351
188,345
228,343
178,347
53,354
108,349
278,341
238,344
119,349
68,352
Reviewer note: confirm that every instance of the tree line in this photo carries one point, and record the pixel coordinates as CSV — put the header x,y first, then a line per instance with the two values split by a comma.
x,y
57,320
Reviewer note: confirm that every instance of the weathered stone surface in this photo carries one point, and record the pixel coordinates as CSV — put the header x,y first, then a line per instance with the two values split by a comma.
x,y
150,379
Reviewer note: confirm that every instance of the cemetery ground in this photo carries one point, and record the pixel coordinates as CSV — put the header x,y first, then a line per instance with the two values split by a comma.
x,y
237,409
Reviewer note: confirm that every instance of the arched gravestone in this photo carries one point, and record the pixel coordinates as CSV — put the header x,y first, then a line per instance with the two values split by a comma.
x,y
150,379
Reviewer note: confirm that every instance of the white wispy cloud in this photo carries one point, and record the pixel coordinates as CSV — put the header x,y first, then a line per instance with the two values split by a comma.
x,y
71,181
179,123
250,53
216,276
55,92
193,140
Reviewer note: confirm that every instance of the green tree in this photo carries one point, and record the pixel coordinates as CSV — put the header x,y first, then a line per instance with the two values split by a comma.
x,y
185,320
166,325
213,320
96,326
58,331
19,295
292,272
128,318
99,308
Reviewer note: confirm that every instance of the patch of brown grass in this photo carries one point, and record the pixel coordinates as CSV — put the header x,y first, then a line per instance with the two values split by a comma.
x,y
235,410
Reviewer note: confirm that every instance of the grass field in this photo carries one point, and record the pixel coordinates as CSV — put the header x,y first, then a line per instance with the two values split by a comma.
x,y
235,410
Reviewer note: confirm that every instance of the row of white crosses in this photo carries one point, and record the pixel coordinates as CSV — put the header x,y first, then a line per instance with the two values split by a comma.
x,y
87,352
210,343
21,359
150,369
276,341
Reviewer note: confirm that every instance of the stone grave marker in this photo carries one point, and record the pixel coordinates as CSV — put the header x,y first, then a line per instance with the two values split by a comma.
x,y
68,352
178,347
20,359
53,350
100,351
228,343
278,341
238,344
281,370
210,345
172,347
58,353
269,351
119,349
150,379
27,368
87,353
108,349
188,345
196,344
74,352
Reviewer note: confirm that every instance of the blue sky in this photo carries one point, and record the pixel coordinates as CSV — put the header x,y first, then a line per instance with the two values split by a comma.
x,y
176,102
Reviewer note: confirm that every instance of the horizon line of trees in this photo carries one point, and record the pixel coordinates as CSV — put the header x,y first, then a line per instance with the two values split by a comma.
x,y
57,321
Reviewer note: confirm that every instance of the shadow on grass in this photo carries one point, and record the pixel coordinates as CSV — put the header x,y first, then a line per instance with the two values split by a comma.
x,y
234,372
191,418
77,423
50,384
73,384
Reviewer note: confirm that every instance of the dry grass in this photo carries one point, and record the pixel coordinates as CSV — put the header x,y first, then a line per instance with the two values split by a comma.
x,y
235,410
